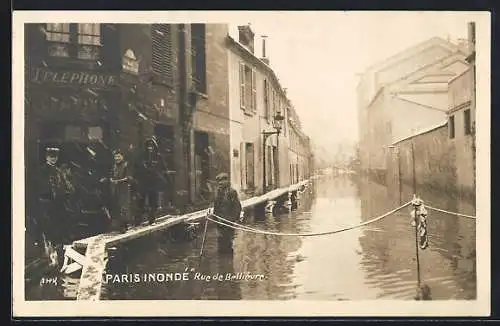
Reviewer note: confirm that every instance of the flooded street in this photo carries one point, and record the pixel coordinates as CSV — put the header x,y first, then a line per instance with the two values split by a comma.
x,y
376,261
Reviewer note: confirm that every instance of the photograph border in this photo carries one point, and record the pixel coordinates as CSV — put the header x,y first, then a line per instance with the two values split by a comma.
x,y
198,308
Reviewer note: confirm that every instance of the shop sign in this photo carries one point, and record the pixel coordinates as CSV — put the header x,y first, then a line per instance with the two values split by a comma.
x,y
73,78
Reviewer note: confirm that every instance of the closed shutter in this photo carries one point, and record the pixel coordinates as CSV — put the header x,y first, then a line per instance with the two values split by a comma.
x,y
161,35
266,100
242,86
254,91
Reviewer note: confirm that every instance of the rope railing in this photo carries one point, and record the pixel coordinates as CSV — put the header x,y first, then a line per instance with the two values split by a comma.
x,y
237,226
241,227
448,212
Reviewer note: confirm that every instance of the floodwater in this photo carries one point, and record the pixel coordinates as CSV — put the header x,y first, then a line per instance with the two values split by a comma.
x,y
377,261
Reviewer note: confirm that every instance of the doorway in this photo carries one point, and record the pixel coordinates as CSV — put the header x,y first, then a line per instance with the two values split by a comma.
x,y
202,166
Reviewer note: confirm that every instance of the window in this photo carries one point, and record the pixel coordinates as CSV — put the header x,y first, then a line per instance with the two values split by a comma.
x,y
254,91
198,57
248,89
59,34
161,64
279,105
388,127
451,123
467,124
88,40
266,100
272,108
242,86
95,133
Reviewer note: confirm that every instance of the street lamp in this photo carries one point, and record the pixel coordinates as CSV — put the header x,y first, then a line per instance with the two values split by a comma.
x,y
277,121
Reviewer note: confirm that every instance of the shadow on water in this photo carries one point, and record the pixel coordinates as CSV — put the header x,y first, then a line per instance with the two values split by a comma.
x,y
373,262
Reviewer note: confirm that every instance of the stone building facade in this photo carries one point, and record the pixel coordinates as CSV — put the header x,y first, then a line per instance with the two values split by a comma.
x,y
91,88
256,98
402,96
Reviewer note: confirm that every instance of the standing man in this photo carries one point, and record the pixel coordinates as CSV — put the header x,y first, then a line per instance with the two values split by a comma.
x,y
228,206
51,197
150,174
120,191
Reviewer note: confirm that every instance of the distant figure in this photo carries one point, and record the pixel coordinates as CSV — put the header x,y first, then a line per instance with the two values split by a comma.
x,y
120,192
228,206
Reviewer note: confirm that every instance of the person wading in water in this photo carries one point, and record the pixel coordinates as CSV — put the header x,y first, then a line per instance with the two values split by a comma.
x,y
228,206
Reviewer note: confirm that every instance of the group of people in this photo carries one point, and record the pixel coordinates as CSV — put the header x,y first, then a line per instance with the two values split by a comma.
x,y
129,194
126,195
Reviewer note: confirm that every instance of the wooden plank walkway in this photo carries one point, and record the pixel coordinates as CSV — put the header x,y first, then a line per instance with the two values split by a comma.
x,y
91,279
96,246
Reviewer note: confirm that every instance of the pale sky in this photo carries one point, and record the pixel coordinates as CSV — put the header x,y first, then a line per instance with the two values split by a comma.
x,y
316,56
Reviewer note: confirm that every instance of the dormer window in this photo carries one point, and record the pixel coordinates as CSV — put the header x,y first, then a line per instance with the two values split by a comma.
x,y
130,63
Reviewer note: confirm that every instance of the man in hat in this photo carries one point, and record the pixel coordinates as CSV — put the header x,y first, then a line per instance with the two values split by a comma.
x,y
120,191
51,196
151,181
228,206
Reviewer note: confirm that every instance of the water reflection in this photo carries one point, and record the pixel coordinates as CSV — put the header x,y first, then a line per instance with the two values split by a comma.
x,y
373,262
447,265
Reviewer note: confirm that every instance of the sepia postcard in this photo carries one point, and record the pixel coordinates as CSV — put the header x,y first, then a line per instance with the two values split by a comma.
x,y
271,163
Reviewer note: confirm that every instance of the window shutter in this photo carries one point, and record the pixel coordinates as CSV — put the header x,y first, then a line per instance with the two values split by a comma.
x,y
254,91
242,165
273,103
161,36
266,100
242,85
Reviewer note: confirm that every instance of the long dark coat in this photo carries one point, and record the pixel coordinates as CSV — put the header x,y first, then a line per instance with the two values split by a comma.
x,y
228,206
52,191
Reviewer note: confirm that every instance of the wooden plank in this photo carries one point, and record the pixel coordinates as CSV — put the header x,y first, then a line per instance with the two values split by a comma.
x,y
166,221
71,268
76,256
91,278
143,231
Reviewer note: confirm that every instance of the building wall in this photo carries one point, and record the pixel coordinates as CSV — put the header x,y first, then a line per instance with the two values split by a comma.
x,y
212,111
460,98
236,121
247,127
413,98
375,133
434,161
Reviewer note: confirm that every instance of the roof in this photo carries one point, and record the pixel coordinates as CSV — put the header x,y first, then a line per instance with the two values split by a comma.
x,y
422,131
257,61
413,50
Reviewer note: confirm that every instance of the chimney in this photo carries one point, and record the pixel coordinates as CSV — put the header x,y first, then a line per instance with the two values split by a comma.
x,y
264,58
471,29
246,37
